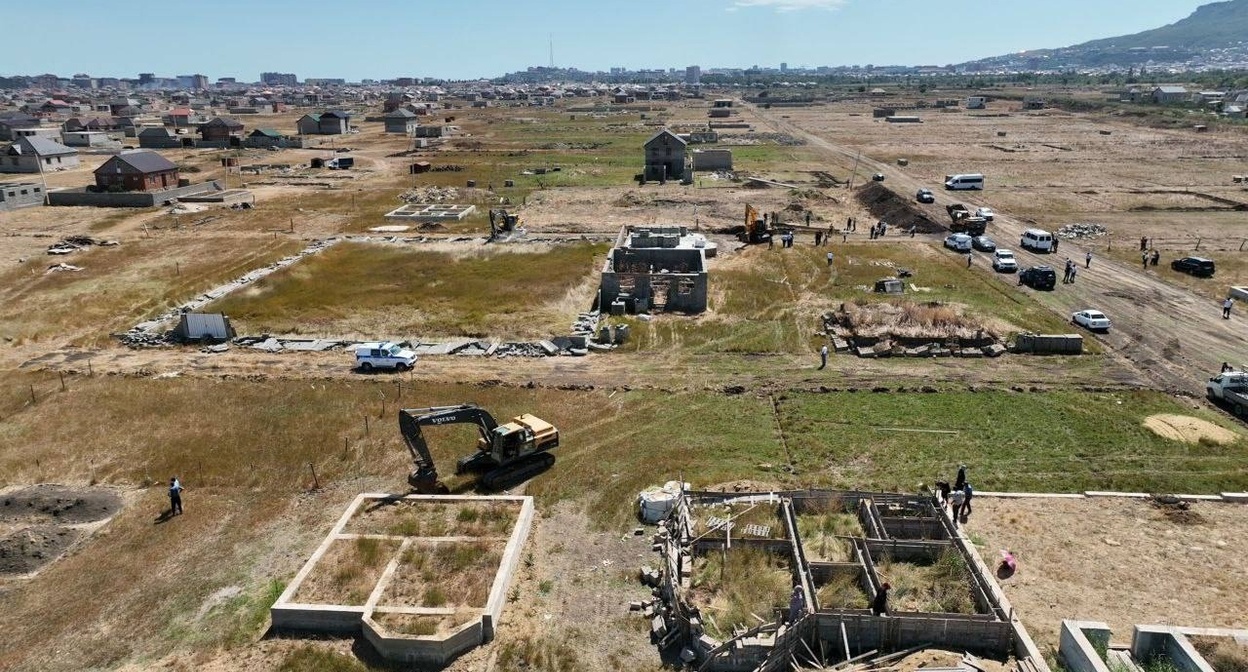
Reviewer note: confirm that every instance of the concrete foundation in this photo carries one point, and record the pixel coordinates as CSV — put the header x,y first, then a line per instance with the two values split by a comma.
x,y
902,527
436,650
1084,642
430,212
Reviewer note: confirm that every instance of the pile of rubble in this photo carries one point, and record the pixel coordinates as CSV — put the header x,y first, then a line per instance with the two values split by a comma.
x,y
430,195
1082,231
74,243
54,268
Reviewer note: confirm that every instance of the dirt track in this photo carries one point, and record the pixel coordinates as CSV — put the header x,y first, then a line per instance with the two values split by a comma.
x,y
1165,333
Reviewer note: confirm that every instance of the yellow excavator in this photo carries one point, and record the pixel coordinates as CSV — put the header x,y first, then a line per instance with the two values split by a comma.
x,y
506,454
756,230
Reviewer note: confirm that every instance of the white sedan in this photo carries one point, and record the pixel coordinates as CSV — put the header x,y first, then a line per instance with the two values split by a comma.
x,y
986,213
1094,320
958,242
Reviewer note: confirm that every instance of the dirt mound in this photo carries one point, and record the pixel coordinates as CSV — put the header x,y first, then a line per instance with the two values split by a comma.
x,y
1187,429
59,504
1176,510
30,548
900,213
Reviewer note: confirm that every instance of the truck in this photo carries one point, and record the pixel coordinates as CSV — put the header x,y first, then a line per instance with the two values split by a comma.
x,y
964,222
1230,389
506,454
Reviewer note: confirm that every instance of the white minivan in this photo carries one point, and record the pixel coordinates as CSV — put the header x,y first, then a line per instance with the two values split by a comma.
x,y
968,181
1036,240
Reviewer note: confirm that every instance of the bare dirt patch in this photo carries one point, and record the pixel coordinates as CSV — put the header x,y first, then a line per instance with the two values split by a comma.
x,y
30,548
1188,429
347,573
1119,561
434,519
55,503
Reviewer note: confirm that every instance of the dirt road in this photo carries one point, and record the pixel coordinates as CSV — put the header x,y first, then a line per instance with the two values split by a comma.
x,y
1169,335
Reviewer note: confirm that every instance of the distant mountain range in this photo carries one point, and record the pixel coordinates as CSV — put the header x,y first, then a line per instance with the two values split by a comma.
x,y
1215,35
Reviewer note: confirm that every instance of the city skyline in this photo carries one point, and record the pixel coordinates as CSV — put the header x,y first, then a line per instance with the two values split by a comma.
x,y
489,38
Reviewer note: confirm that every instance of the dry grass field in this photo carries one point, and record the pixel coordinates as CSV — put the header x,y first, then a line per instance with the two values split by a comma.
x,y
731,395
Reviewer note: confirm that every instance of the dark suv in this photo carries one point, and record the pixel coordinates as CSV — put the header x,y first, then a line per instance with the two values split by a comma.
x,y
1038,277
1197,266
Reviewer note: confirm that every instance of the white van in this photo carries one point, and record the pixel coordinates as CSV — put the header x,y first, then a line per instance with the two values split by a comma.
x,y
968,181
1036,240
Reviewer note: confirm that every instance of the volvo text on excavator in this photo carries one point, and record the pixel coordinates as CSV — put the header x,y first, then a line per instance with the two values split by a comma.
x,y
507,453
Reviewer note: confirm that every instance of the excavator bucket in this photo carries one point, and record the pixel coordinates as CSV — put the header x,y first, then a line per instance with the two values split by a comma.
x,y
427,484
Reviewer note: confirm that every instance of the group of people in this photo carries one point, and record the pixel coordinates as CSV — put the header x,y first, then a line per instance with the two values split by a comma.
x,y
1071,270
958,495
879,229
1150,258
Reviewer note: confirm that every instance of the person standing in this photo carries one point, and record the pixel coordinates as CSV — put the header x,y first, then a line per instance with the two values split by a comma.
x,y
1087,259
1074,270
1144,259
797,603
965,511
807,218
943,488
830,258
1055,242
818,236
1156,256
175,496
823,357
970,259
879,605
960,481
1226,308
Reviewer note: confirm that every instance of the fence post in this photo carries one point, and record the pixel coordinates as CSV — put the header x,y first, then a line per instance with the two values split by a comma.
x,y
1198,244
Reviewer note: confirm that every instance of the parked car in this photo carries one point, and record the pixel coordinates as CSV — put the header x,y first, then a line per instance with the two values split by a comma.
x,y
1094,320
984,244
383,355
958,242
925,196
1197,266
986,213
878,177
1003,261
1038,277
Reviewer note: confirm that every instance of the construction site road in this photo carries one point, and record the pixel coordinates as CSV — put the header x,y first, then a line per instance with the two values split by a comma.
x,y
1170,336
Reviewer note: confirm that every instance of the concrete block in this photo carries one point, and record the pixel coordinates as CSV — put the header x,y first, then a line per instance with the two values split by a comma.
x,y
549,347
994,350
1235,497
1124,495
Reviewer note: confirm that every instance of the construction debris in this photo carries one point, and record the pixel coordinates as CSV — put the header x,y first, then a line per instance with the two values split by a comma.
x,y
74,243
63,267
430,195
1082,231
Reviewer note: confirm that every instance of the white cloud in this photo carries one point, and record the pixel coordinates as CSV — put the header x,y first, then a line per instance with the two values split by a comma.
x,y
789,5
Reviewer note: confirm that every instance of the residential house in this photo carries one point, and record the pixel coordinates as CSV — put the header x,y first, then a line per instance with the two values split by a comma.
x,y
14,195
180,117
666,156
15,120
159,137
400,120
88,139
35,154
267,137
334,122
140,170
1168,95
222,130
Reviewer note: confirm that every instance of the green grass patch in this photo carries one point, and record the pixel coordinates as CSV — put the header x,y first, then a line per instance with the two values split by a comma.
x,y
1045,442
400,291
311,658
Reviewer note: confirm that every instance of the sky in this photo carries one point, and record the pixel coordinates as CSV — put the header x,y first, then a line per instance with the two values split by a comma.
x,y
464,39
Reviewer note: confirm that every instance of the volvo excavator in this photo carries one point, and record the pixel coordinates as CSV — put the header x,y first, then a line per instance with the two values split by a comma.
x,y
507,453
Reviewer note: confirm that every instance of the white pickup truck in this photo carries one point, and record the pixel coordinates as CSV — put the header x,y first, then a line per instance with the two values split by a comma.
x,y
383,355
1230,388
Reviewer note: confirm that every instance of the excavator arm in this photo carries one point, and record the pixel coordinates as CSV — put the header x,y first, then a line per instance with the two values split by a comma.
x,y
424,478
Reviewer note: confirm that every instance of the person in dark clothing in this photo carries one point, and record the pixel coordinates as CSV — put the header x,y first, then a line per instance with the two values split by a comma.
x,y
879,606
965,511
943,488
175,496
1156,257
960,481
1226,366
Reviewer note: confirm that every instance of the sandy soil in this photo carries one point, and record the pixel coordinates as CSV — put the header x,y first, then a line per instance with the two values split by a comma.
x,y
1188,429
1123,562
